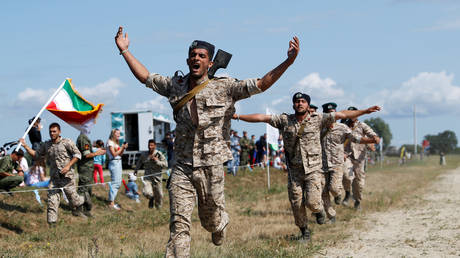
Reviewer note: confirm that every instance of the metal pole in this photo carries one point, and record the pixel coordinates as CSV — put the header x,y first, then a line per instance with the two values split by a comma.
x,y
415,132
268,163
41,111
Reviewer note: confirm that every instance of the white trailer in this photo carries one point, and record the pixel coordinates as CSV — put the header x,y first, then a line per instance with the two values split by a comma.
x,y
137,128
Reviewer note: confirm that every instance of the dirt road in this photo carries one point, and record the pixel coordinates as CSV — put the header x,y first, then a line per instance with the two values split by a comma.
x,y
429,228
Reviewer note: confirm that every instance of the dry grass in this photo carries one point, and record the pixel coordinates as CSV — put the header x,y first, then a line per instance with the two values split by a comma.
x,y
261,221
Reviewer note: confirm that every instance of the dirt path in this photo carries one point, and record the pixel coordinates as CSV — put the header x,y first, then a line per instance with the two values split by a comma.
x,y
430,228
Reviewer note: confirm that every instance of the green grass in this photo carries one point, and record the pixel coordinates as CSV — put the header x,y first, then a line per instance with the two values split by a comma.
x,y
261,221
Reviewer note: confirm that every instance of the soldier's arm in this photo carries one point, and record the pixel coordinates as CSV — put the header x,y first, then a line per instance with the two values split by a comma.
x,y
162,162
271,77
137,68
139,163
67,167
370,133
344,114
31,151
253,118
74,152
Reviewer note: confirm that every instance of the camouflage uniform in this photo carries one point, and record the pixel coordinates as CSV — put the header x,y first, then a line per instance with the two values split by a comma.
x,y
304,161
202,136
333,161
7,165
59,155
358,158
244,156
348,174
153,175
85,168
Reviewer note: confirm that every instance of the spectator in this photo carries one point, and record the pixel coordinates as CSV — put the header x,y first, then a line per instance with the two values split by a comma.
x,y
245,145
35,135
7,164
132,191
169,143
99,162
115,152
278,162
261,146
35,176
252,150
235,148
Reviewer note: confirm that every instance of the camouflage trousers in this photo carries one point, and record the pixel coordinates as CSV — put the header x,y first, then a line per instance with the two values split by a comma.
x,y
304,192
359,180
331,182
85,177
348,175
54,196
244,158
153,188
188,184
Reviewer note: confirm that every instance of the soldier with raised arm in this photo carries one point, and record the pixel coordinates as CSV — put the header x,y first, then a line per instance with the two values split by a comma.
x,y
332,143
203,108
301,135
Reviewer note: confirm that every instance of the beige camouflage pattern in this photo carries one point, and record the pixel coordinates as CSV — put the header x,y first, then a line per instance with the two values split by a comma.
x,y
359,180
332,144
54,196
188,184
348,175
204,143
58,156
153,187
334,178
358,151
298,183
328,208
307,151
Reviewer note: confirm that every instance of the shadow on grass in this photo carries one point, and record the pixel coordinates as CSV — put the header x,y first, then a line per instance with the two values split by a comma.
x,y
11,227
14,207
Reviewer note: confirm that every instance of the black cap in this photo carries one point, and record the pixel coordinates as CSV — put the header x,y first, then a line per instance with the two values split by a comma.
x,y
300,95
32,119
313,106
352,108
19,152
202,44
328,106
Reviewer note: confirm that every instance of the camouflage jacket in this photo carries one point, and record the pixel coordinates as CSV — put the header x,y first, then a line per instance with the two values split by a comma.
x,y
306,152
332,144
245,144
58,155
207,142
84,146
152,166
358,151
7,164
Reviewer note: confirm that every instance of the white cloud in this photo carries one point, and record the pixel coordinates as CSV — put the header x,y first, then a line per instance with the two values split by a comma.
x,y
158,104
321,90
432,93
104,92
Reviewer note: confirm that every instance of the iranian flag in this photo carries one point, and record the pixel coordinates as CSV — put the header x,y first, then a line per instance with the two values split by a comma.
x,y
71,107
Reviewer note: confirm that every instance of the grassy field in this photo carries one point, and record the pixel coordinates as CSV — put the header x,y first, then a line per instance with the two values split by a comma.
x,y
261,221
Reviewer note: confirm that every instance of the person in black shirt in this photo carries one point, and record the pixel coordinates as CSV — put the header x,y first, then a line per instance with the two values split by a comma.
x,y
35,135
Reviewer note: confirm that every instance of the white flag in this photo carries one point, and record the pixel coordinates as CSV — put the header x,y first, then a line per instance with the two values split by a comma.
x,y
272,133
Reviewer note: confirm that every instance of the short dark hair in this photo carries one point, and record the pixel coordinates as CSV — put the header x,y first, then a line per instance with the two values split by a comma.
x,y
19,152
152,141
55,125
100,143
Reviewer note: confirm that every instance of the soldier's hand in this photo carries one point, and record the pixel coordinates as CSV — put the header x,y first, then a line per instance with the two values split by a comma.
x,y
65,169
234,116
293,49
377,139
121,40
23,142
372,109
100,152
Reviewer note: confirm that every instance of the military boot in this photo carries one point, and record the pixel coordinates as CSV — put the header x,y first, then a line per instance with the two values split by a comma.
x,y
347,198
78,212
305,234
320,217
337,199
88,202
332,220
357,205
219,236
151,200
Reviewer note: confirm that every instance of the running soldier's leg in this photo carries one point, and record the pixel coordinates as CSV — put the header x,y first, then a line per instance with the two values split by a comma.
x,y
348,175
313,191
54,198
148,189
182,200
359,180
70,191
209,184
325,184
335,182
295,190
157,186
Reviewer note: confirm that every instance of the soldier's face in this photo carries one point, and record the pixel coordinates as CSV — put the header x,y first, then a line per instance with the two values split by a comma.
x,y
199,62
152,146
54,133
301,106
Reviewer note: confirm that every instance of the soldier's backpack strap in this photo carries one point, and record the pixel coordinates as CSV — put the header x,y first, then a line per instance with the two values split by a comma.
x,y
189,96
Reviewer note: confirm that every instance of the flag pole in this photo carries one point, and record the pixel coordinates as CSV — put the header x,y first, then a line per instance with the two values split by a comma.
x,y
41,111
268,163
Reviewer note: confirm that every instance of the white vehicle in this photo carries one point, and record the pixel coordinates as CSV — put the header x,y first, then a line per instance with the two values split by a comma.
x,y
137,128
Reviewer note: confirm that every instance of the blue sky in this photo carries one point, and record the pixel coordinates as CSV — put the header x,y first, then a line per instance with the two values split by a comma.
x,y
389,52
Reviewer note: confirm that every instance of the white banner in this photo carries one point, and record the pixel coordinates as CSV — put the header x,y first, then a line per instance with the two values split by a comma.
x,y
272,132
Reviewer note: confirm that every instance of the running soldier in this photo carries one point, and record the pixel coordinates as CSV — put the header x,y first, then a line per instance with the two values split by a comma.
x,y
358,155
301,135
203,108
332,142
154,163
61,154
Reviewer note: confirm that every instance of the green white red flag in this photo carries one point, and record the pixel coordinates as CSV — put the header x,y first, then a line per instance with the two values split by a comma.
x,y
71,107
